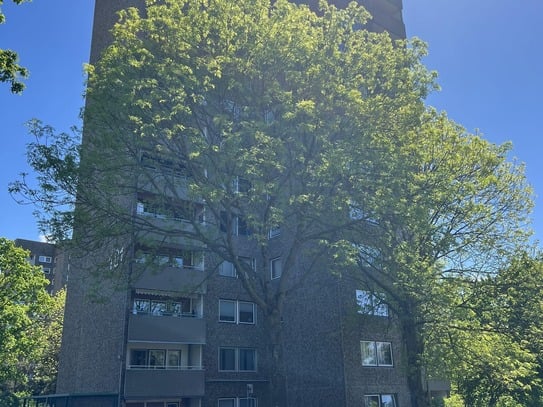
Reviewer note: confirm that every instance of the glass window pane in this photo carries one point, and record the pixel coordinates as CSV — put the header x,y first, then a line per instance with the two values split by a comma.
x,y
141,306
174,358
276,268
384,353
175,309
227,311
157,358
387,400
369,357
247,359
371,401
227,269
247,402
227,402
246,313
158,308
380,309
138,358
177,261
364,302
227,359
163,259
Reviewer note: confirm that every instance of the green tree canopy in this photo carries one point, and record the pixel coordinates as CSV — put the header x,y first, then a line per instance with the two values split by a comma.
x,y
23,302
276,117
10,70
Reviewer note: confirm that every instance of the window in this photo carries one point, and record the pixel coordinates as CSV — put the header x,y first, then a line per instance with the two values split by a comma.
x,y
236,224
376,353
46,270
155,359
150,305
192,259
246,313
276,268
247,402
370,304
237,359
227,311
158,206
380,400
158,308
174,359
233,109
227,359
227,269
241,185
164,164
247,360
269,117
45,259
242,227
274,232
239,402
240,312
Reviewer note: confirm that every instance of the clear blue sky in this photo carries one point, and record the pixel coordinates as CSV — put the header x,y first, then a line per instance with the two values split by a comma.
x,y
488,54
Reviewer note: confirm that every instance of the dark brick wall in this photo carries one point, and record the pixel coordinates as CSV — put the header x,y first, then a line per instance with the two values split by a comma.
x,y
92,342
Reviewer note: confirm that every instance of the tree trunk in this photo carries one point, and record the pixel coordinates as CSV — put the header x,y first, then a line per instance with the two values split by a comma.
x,y
277,372
414,347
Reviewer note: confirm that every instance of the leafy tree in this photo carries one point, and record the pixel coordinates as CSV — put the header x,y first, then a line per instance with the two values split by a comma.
x,y
10,70
507,307
41,370
275,117
445,210
249,103
23,302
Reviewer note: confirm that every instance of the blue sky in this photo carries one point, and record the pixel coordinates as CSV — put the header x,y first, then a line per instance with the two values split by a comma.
x,y
487,53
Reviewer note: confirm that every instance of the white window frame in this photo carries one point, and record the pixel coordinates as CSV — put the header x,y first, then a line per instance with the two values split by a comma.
x,y
236,402
229,302
240,181
237,356
370,304
232,401
376,353
46,270
274,261
237,312
367,400
253,402
166,355
274,232
227,269
45,259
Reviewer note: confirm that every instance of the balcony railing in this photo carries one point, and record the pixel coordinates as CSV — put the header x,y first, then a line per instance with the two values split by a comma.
x,y
146,328
155,367
160,383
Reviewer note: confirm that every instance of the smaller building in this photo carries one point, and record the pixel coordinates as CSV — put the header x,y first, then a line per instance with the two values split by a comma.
x,y
50,258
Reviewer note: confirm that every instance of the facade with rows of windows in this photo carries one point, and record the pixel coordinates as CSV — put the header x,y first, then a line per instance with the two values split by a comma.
x,y
50,258
187,334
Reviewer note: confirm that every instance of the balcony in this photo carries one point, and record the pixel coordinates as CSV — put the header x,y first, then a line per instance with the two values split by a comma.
x,y
188,280
161,383
149,328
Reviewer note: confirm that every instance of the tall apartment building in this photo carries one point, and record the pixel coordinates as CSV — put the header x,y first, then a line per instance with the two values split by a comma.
x,y
188,336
